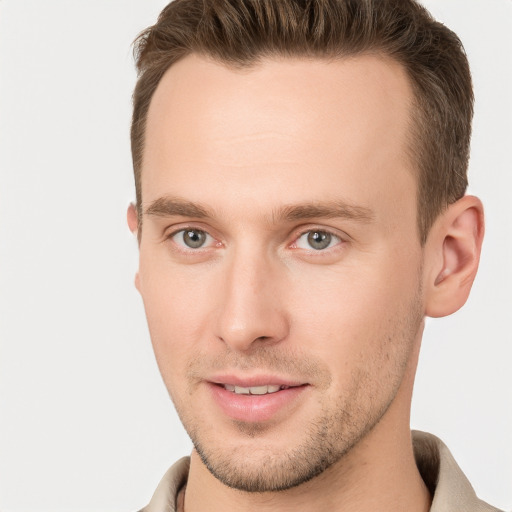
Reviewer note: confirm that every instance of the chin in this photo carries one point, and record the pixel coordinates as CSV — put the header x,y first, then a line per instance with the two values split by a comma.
x,y
264,463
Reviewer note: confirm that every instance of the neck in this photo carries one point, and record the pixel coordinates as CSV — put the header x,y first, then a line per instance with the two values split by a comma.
x,y
390,486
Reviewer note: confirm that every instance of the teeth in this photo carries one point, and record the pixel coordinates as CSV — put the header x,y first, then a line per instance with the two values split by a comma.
x,y
254,390
262,390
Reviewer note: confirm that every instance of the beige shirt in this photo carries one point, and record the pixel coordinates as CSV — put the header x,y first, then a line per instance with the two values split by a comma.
x,y
450,489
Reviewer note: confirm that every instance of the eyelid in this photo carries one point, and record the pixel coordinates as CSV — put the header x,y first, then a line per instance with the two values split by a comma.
x,y
303,230
177,229
172,231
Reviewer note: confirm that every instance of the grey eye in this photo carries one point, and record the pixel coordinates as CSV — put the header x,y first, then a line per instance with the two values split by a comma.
x,y
191,238
319,240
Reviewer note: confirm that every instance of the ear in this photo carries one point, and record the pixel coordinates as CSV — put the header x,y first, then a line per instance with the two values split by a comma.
x,y
133,224
453,251
131,217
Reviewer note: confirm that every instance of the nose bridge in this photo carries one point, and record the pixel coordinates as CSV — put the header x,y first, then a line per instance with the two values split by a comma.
x,y
251,307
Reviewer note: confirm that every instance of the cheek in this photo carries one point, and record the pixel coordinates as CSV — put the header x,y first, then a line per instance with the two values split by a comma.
x,y
177,310
353,317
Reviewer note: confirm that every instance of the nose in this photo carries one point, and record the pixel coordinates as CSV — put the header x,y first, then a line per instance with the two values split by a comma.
x,y
252,308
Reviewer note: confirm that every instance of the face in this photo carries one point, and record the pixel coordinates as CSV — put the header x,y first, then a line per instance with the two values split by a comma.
x,y
280,264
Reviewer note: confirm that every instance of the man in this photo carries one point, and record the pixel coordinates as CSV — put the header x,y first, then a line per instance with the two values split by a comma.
x,y
300,174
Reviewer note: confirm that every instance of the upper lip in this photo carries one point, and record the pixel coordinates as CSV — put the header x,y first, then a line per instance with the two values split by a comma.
x,y
254,380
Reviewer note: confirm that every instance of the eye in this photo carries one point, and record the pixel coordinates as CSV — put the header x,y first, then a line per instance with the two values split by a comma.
x,y
191,238
317,240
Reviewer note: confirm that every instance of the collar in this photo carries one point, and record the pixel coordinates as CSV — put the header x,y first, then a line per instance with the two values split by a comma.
x,y
448,485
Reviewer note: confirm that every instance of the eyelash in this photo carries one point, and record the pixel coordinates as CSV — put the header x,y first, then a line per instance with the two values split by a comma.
x,y
331,237
184,230
294,245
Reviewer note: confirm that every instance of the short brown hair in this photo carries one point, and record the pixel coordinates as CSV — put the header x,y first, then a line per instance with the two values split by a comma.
x,y
240,33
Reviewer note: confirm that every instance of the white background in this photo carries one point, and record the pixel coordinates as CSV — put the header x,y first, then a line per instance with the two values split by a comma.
x,y
85,422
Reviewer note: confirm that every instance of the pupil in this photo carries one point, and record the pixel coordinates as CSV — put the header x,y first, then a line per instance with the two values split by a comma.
x,y
194,239
319,240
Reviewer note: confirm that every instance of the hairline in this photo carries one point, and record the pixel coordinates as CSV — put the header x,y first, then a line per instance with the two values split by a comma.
x,y
413,139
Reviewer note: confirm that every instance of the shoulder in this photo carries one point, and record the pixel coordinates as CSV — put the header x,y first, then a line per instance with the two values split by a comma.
x,y
164,497
450,489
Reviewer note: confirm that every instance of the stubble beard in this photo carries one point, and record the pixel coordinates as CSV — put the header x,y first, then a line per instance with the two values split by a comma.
x,y
328,438
326,441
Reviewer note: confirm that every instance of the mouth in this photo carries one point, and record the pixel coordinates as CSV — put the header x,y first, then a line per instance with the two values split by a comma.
x,y
265,389
257,399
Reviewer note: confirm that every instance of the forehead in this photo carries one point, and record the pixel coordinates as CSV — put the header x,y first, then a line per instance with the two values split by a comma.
x,y
297,127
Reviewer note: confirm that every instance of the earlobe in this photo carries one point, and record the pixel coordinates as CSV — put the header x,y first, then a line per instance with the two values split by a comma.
x,y
131,217
454,249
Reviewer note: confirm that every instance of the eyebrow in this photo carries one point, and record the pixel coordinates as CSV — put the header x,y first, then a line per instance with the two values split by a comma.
x,y
172,206
328,210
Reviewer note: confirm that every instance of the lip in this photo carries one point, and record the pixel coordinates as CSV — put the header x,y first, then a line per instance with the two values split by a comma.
x,y
256,408
254,380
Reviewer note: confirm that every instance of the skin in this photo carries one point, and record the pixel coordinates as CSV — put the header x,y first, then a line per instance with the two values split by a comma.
x,y
257,160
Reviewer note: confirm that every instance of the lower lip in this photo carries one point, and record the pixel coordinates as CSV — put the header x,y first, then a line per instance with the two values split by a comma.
x,y
255,408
